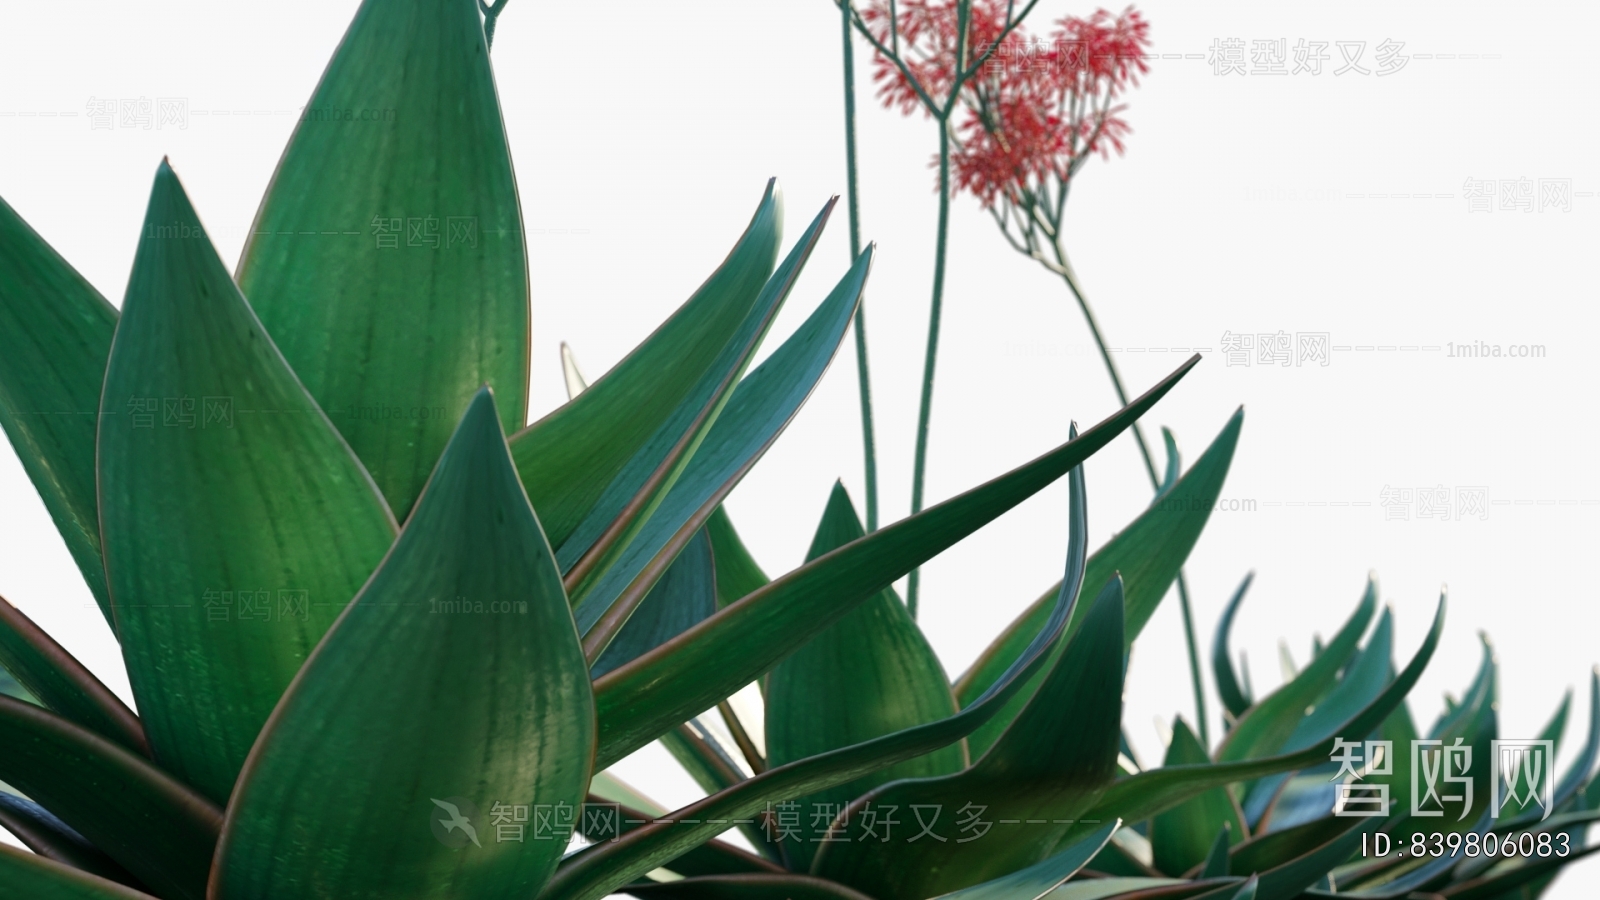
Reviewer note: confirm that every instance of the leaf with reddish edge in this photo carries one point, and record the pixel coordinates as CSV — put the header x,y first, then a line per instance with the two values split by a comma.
x,y
643,699
152,825
24,876
62,683
453,680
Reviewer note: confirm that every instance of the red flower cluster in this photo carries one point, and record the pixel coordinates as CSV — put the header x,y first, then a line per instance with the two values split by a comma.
x,y
1033,110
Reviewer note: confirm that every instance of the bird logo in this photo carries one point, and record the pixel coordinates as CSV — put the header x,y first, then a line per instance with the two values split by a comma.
x,y
452,822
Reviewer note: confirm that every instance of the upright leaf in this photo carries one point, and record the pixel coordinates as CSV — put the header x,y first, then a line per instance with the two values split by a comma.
x,y
738,573
1182,837
453,681
1043,774
153,826
707,663
1148,554
869,674
684,596
387,259
1235,696
235,530
568,458
55,332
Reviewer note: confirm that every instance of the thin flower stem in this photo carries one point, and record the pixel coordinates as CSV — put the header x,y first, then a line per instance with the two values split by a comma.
x,y
853,201
920,464
1071,278
490,14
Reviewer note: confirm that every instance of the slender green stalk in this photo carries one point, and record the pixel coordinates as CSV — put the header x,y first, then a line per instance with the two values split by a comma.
x,y
1071,278
853,202
920,464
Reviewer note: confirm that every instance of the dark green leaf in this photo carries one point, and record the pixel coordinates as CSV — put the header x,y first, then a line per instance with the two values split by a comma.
x,y
596,870
738,573
454,680
747,887
235,530
1235,699
709,858
869,674
153,826
1499,882
1038,880
24,876
567,459
690,673
61,683
1148,554
1217,857
1268,725
1156,790
1181,837
387,259
758,411
684,596
1046,770
45,834
55,333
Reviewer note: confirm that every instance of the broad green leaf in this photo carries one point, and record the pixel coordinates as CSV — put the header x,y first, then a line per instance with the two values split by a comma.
x,y
1046,770
593,872
453,681
747,887
738,573
568,458
1039,879
24,876
869,674
236,530
1181,837
55,332
45,834
759,409
685,595
1235,698
153,826
1154,791
387,259
61,683
1268,725
707,663
1148,554
606,535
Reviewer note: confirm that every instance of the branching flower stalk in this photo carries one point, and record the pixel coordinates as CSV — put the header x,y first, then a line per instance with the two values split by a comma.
x,y
937,60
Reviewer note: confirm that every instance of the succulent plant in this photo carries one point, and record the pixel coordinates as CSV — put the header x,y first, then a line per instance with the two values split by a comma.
x,y
386,638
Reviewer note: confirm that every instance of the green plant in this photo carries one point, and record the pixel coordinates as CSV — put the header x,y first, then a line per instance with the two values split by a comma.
x,y
463,630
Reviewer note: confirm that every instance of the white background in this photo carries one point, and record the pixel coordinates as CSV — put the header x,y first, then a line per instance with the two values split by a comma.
x,y
644,132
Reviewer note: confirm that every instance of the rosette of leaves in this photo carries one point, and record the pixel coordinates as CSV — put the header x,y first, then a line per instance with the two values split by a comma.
x,y
358,644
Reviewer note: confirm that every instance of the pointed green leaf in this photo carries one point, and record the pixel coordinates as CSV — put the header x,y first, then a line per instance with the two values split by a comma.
x,y
1289,879
237,522
757,412
568,458
690,673
1153,791
1148,554
606,535
738,573
1268,725
62,683
684,596
45,834
1038,880
55,332
1217,857
869,674
1174,464
1046,770
153,826
1235,698
1181,837
24,876
593,872
454,676
387,259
